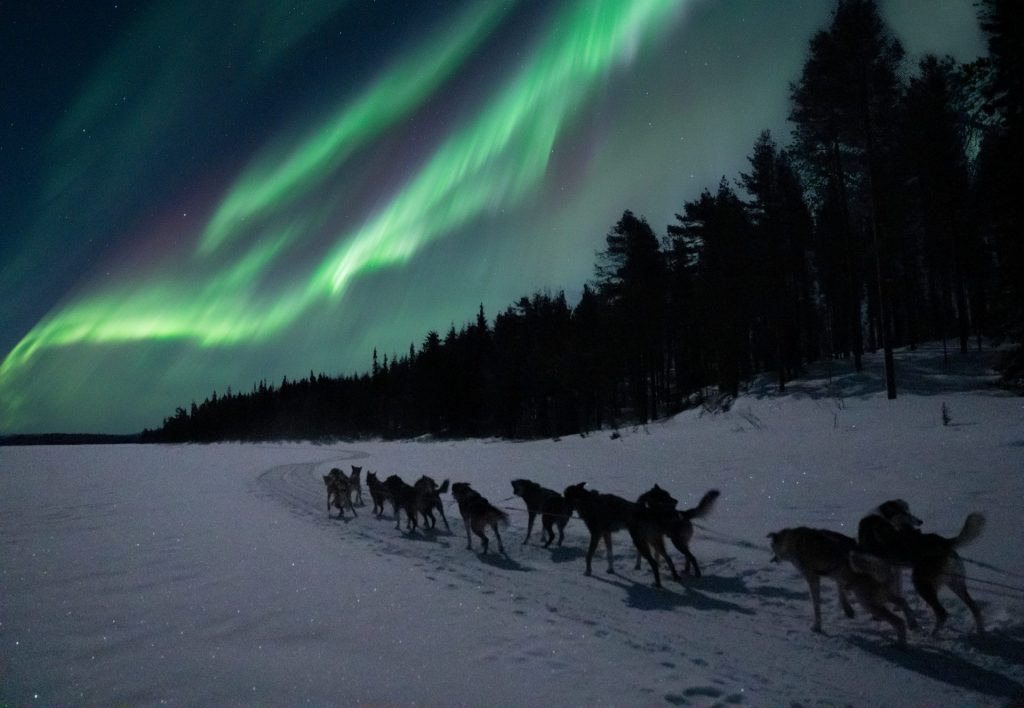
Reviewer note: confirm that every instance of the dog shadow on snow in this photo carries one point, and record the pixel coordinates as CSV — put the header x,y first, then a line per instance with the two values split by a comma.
x,y
566,554
1006,644
737,585
499,560
948,668
644,596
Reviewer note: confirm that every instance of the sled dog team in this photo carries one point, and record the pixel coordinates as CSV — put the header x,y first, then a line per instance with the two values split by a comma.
x,y
868,567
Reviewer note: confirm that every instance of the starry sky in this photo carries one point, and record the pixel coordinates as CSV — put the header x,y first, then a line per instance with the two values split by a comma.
x,y
198,195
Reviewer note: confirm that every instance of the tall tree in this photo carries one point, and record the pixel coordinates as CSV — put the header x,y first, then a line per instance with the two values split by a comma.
x,y
781,229
934,168
1002,155
717,229
631,277
843,112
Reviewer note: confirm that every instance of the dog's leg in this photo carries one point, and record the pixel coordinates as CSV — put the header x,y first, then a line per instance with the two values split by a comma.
x,y
923,579
547,524
643,549
904,606
880,612
844,599
955,580
691,561
478,529
469,539
814,582
681,540
501,548
561,531
594,539
440,507
608,550
659,548
530,516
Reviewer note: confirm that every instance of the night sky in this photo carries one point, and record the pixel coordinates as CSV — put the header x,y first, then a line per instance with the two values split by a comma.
x,y
198,195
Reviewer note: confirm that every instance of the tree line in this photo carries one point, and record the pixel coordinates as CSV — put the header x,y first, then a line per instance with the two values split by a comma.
x,y
891,218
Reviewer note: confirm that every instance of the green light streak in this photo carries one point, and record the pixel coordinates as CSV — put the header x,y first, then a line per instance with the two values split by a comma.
x,y
226,310
505,151
268,187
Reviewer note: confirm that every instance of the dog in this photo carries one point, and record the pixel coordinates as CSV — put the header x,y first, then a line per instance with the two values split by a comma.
x,y
477,514
548,503
339,492
378,493
357,486
679,528
892,533
430,500
403,497
819,553
604,514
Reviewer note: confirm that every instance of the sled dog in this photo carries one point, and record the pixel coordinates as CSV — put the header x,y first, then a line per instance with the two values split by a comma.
x,y
548,503
403,497
477,514
339,492
678,525
356,484
378,493
819,553
604,514
892,533
429,500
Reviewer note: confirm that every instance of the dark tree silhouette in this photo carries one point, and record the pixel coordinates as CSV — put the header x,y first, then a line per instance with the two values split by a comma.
x,y
843,112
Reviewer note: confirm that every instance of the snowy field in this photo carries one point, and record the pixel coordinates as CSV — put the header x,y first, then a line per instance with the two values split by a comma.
x,y
212,575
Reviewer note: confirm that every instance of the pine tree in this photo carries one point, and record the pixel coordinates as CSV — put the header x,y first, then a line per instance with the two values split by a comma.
x,y
842,110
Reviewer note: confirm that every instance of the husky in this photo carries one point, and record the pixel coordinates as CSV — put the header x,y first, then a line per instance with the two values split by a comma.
x,y
679,526
478,513
819,553
339,492
892,533
548,503
357,486
378,493
403,497
430,500
606,513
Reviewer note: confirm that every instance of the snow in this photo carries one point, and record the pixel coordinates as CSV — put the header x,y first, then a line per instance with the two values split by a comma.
x,y
212,575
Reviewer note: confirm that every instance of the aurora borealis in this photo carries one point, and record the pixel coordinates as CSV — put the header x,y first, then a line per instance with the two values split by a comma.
x,y
196,198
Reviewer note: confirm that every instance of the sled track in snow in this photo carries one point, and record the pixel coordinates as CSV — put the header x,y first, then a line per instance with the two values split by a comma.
x,y
299,486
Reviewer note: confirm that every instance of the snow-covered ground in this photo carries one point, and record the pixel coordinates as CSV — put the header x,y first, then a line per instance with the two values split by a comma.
x,y
212,575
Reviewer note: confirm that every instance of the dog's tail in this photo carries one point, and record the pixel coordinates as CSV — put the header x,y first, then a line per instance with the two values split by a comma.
x,y
973,526
867,564
443,489
703,507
